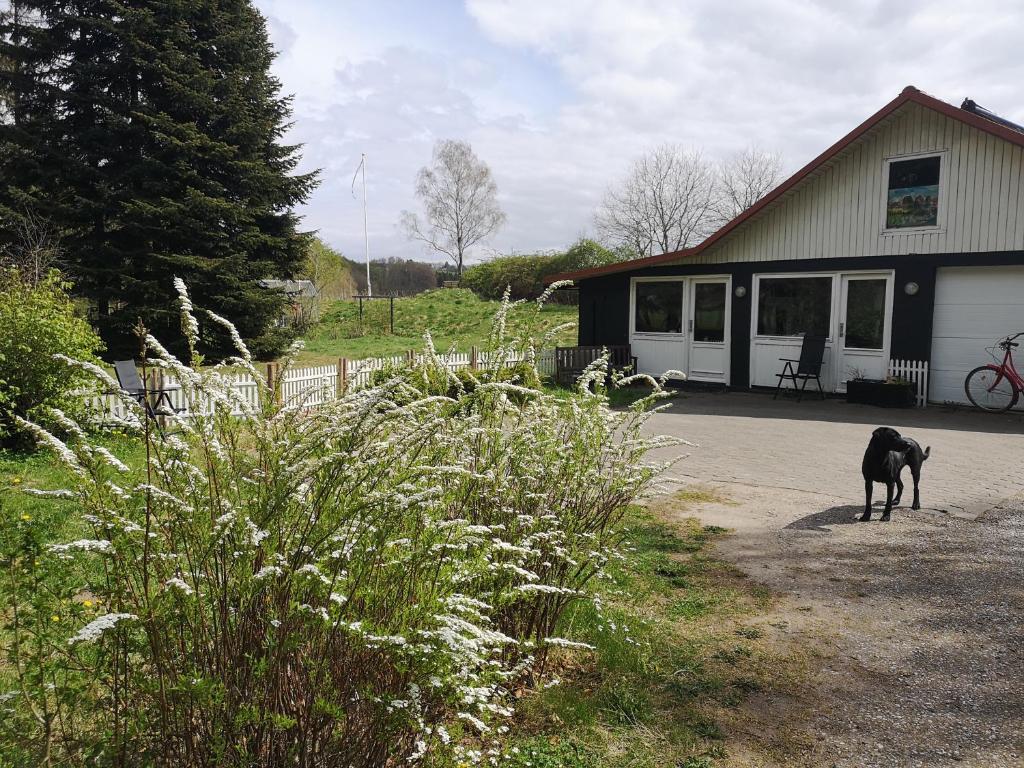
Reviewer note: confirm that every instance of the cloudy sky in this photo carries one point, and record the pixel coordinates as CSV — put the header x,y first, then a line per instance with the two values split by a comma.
x,y
559,96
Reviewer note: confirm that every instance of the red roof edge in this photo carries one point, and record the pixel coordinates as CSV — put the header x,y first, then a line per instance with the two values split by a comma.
x,y
908,94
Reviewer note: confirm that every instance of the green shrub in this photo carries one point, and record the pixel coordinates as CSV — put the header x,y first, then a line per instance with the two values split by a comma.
x,y
36,322
524,276
358,584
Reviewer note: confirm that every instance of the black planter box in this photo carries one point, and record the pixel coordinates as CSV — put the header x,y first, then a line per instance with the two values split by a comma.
x,y
881,393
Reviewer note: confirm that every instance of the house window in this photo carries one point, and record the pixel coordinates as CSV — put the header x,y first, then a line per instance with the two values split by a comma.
x,y
865,313
709,311
792,306
659,307
913,193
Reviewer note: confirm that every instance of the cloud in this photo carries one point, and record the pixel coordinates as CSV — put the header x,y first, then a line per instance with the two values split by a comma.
x,y
560,97
283,35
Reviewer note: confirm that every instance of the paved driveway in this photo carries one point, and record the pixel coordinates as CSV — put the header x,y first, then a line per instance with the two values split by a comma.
x,y
977,459
909,633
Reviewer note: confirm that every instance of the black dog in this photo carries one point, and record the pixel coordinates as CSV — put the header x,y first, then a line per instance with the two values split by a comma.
x,y
887,454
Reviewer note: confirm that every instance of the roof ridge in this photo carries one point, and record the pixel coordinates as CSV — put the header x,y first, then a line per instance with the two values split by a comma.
x,y
909,94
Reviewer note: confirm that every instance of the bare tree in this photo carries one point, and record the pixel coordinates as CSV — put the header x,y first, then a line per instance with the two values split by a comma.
x,y
665,203
744,178
459,197
32,248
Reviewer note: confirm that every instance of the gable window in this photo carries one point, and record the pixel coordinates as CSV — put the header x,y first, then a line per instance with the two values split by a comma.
x,y
912,196
793,306
659,307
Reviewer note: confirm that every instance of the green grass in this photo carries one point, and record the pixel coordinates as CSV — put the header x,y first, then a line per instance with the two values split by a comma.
x,y
452,315
40,469
618,397
44,520
676,656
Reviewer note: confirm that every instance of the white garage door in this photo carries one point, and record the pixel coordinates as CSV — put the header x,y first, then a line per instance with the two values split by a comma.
x,y
974,308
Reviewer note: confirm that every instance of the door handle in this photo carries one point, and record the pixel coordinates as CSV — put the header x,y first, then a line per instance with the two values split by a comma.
x,y
689,326
841,330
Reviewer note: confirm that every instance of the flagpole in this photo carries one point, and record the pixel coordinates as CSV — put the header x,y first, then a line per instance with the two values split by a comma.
x,y
366,235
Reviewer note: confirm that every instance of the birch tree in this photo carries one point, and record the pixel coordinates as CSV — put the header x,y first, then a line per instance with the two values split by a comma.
x,y
459,199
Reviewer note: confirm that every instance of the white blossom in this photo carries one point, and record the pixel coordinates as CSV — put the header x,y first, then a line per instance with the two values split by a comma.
x,y
95,628
82,545
180,584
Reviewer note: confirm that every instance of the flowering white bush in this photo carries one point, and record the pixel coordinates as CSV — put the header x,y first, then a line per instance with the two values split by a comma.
x,y
359,584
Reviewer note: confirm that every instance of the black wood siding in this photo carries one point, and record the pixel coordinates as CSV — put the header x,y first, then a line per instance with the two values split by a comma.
x,y
604,301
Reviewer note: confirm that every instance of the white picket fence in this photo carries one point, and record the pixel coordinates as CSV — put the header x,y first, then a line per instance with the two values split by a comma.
x,y
916,372
308,387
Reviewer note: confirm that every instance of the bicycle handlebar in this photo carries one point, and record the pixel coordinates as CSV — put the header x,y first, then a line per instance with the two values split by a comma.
x,y
1009,341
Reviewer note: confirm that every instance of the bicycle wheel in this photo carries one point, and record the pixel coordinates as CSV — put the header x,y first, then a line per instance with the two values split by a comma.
x,y
990,391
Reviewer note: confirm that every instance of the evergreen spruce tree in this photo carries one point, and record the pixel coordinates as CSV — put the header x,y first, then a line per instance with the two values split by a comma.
x,y
150,134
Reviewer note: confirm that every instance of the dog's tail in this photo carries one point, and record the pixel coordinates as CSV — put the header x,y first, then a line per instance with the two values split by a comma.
x,y
927,452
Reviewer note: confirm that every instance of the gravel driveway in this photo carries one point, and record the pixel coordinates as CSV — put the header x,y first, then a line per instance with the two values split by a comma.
x,y
914,629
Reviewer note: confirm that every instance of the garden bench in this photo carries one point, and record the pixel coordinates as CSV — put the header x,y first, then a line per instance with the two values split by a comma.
x,y
570,362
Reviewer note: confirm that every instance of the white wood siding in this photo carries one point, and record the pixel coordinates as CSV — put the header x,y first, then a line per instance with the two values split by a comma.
x,y
839,212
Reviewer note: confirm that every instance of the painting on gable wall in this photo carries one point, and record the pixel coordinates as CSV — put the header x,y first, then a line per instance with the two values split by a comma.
x,y
913,193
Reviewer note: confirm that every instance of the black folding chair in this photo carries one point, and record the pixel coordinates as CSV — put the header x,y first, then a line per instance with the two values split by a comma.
x,y
130,381
812,356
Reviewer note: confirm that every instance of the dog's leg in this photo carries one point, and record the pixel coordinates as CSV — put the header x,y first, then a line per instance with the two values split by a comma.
x,y
869,487
888,502
899,491
916,472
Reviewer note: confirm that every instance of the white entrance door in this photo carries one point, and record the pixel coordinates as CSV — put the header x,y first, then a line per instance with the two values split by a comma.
x,y
864,328
681,324
708,358
657,330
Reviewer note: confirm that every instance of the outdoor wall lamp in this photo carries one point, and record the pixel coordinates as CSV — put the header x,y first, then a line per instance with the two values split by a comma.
x,y
741,291
911,288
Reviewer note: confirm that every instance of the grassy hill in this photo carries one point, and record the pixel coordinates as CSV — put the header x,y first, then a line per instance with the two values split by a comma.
x,y
452,315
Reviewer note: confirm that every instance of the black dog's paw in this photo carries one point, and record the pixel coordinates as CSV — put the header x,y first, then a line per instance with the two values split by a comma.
x,y
885,518
865,517
915,506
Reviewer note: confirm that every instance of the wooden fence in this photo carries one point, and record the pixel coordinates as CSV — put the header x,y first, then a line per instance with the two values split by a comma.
x,y
916,372
310,386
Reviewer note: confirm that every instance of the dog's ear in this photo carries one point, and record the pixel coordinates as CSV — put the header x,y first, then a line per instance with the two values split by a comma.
x,y
890,439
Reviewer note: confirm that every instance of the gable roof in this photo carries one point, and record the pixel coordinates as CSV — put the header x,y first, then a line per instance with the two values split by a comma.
x,y
969,114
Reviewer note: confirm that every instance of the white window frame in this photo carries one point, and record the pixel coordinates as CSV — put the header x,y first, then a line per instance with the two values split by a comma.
x,y
756,306
832,343
665,336
940,218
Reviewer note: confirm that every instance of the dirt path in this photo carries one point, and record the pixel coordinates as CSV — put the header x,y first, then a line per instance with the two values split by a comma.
x,y
914,630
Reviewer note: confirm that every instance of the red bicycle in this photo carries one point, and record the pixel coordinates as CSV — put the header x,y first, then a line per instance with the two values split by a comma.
x,y
996,388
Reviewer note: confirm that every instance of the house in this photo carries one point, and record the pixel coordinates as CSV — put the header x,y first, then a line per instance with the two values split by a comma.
x,y
303,299
905,239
